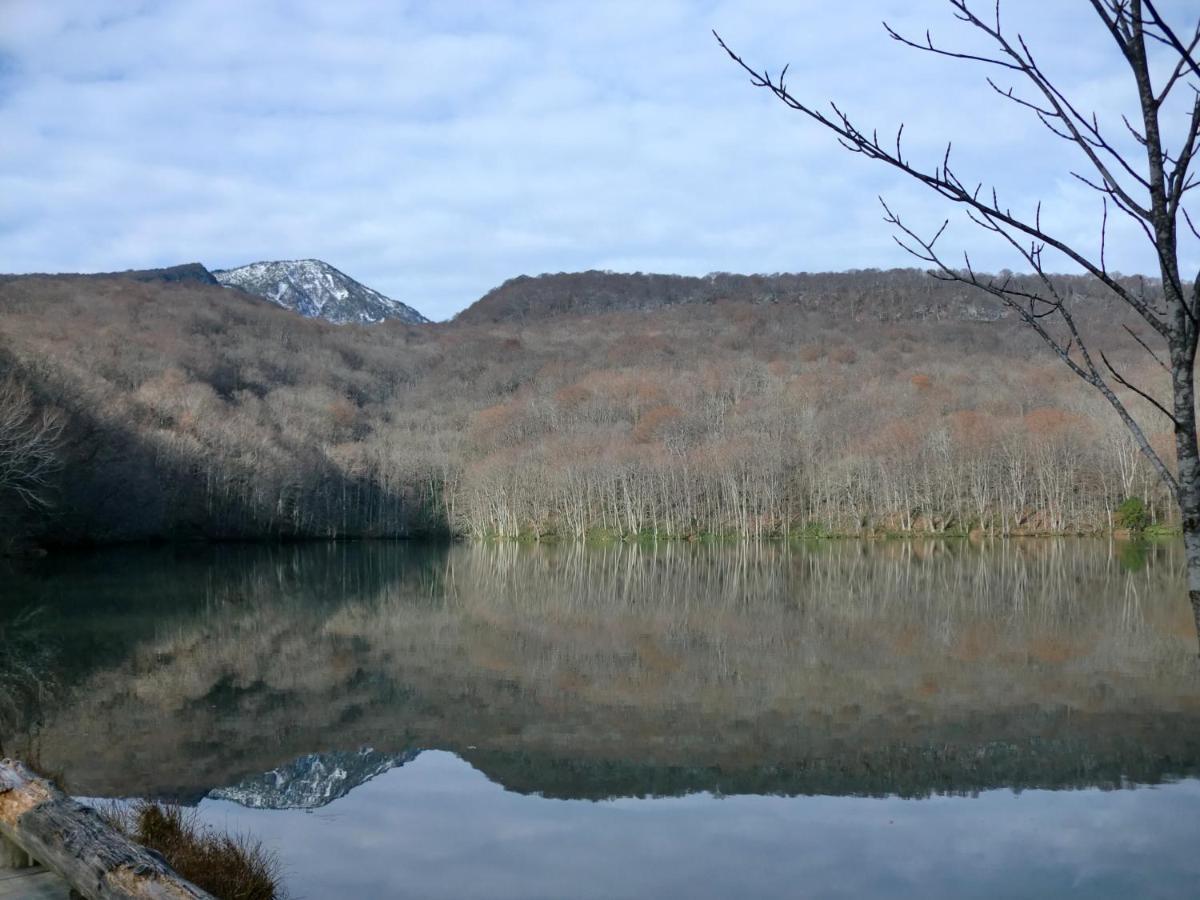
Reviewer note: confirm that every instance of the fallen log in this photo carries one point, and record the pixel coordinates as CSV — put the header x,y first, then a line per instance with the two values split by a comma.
x,y
62,834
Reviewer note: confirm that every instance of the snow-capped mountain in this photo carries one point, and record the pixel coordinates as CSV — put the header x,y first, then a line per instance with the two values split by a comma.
x,y
312,780
317,290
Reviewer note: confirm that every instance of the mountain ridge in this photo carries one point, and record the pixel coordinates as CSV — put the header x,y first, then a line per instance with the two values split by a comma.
x,y
864,294
316,290
192,273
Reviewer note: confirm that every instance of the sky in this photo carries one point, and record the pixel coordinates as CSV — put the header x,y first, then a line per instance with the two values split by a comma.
x,y
436,827
433,150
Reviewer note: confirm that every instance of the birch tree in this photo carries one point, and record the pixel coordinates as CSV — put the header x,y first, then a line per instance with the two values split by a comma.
x,y
1150,185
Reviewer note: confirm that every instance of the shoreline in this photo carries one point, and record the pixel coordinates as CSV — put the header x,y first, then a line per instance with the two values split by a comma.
x,y
1151,535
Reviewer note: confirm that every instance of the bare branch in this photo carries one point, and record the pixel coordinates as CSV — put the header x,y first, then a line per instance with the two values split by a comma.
x,y
942,182
1025,304
1186,54
1137,337
28,445
1124,383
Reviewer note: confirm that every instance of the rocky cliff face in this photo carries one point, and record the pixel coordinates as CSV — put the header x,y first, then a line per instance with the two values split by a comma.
x,y
317,290
312,780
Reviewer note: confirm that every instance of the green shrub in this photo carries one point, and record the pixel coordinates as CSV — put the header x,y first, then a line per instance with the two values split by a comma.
x,y
1133,515
812,531
1132,555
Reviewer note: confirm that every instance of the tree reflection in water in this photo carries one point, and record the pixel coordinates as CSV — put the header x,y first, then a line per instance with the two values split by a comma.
x,y
844,667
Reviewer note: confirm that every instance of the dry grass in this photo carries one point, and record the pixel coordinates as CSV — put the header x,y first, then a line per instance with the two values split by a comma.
x,y
230,867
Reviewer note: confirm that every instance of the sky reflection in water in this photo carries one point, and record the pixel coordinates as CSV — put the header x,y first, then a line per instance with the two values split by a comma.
x,y
438,828
867,709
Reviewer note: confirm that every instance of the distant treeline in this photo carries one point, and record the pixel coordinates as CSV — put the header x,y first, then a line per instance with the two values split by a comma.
x,y
872,294
567,405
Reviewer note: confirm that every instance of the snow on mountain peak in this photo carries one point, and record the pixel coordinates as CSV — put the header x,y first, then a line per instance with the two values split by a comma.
x,y
313,780
316,289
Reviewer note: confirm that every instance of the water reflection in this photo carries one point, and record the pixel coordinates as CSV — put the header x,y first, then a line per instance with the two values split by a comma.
x,y
312,781
590,672
438,828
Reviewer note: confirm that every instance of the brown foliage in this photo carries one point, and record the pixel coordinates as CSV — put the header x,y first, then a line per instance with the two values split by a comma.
x,y
974,431
1051,421
199,411
343,412
779,368
652,421
572,397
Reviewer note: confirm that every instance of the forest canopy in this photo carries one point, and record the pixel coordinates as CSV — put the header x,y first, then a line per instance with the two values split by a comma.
x,y
568,405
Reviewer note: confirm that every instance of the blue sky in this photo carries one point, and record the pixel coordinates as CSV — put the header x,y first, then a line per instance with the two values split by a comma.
x,y
432,150
437,827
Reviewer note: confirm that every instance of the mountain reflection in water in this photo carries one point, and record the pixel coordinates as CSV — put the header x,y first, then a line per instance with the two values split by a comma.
x,y
312,781
438,829
844,669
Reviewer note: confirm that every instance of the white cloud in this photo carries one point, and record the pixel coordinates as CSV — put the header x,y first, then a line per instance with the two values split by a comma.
x,y
434,150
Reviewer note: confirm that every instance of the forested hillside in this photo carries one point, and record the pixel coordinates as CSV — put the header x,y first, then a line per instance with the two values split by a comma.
x,y
871,401
867,294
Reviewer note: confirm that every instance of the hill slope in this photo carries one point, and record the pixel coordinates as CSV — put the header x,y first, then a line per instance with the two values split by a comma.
x,y
867,294
196,411
317,290
187,273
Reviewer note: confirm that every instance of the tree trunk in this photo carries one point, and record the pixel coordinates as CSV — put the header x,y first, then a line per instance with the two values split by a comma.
x,y
72,839
1191,543
1188,457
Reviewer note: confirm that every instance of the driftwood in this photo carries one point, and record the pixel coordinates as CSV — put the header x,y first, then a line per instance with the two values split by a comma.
x,y
62,834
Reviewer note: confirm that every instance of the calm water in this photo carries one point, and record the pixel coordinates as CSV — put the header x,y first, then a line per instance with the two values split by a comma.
x,y
883,719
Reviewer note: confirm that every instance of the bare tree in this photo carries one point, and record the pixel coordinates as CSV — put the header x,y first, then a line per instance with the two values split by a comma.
x,y
1151,191
29,440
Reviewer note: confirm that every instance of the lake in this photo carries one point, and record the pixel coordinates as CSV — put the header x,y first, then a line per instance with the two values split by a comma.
x,y
843,719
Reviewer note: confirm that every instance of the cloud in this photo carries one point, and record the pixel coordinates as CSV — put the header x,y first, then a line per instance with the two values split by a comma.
x,y
434,150
438,828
